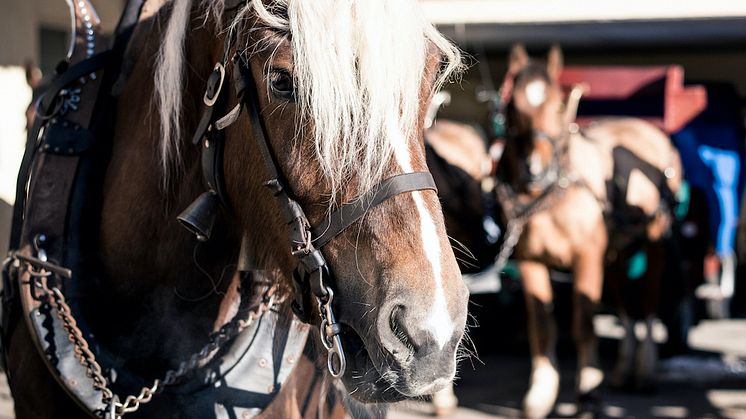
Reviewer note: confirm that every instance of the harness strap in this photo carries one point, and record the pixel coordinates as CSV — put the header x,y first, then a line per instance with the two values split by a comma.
x,y
45,230
343,217
71,75
348,214
248,95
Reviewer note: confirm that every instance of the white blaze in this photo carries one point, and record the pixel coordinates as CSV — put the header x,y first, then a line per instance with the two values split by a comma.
x,y
536,93
438,320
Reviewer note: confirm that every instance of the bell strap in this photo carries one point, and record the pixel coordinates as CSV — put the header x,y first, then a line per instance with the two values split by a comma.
x,y
342,218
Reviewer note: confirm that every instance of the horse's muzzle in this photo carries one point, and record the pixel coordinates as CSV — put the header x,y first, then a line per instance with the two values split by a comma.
x,y
420,341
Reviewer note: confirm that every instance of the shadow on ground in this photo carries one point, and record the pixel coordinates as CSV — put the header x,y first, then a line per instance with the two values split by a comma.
x,y
496,389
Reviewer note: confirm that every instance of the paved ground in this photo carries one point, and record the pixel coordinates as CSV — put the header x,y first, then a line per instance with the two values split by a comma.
x,y
709,384
6,402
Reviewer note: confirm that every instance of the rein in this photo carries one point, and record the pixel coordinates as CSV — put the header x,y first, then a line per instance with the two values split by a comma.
x,y
312,273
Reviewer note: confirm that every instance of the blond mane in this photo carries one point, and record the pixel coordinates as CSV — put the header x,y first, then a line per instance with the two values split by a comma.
x,y
358,68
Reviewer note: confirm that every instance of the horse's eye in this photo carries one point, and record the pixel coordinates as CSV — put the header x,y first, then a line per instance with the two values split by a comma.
x,y
281,83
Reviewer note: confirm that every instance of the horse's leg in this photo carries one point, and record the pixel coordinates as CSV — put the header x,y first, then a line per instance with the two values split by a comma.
x,y
445,401
647,353
544,383
627,346
587,287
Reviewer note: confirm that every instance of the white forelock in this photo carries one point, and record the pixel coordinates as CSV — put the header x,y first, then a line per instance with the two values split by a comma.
x,y
358,67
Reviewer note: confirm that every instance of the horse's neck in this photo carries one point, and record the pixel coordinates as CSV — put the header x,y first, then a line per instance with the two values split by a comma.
x,y
159,283
510,168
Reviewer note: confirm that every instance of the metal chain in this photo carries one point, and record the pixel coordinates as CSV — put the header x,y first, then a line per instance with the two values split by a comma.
x,y
514,231
217,339
518,217
94,371
83,353
517,220
329,330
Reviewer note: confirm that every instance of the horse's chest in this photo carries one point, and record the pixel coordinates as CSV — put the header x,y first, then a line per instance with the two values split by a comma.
x,y
545,241
556,235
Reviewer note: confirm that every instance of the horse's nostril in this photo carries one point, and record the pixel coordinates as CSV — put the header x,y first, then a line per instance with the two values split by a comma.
x,y
398,328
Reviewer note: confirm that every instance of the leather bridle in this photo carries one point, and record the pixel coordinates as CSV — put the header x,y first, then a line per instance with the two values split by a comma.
x,y
312,273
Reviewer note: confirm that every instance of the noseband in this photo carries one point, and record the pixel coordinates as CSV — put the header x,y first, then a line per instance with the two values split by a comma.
x,y
312,273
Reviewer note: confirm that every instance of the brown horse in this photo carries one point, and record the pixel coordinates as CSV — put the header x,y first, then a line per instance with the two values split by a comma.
x,y
581,198
342,103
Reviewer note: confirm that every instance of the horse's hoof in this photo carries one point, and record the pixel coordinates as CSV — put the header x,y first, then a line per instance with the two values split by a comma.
x,y
589,379
647,358
444,402
542,395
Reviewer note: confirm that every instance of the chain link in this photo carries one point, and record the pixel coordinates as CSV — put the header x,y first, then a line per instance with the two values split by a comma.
x,y
329,333
513,231
93,369
518,216
80,345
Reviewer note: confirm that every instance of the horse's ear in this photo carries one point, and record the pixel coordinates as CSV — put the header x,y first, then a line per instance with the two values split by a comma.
x,y
555,62
518,58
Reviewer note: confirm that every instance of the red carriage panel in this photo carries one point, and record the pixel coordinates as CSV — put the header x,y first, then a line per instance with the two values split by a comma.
x,y
656,94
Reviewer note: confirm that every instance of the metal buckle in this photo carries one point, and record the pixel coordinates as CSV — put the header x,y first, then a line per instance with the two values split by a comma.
x,y
304,247
219,70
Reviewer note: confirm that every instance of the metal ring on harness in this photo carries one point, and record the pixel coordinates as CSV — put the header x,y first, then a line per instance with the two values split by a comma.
x,y
56,109
112,413
214,84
